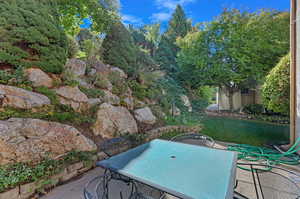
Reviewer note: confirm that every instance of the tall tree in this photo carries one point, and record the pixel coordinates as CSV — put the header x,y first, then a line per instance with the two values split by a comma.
x,y
167,51
119,49
234,51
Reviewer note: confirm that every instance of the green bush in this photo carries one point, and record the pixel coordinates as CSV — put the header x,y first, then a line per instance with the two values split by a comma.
x,y
254,109
276,89
20,173
15,78
30,35
73,47
138,90
92,92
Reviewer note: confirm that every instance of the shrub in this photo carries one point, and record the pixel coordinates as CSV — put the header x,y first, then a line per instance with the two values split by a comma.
x,y
19,173
69,78
73,47
30,35
139,91
92,92
15,78
254,109
276,89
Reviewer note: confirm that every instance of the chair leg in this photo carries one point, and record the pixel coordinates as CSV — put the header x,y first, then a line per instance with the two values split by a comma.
x,y
254,181
259,183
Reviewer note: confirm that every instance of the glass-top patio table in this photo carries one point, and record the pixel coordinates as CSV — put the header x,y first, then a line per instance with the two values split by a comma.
x,y
182,170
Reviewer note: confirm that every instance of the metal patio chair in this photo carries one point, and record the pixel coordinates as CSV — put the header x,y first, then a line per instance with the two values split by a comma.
x,y
112,185
194,139
268,182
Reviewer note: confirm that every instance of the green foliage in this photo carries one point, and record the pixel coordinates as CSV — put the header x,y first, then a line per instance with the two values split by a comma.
x,y
119,49
73,47
32,37
69,78
15,78
73,12
276,89
235,51
92,92
146,37
207,93
254,109
203,53
99,81
49,93
167,50
20,173
138,90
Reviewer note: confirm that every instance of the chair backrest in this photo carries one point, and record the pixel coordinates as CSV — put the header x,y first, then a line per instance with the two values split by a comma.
x,y
272,182
195,139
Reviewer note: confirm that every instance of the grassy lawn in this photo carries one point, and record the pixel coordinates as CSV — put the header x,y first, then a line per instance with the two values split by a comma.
x,y
234,130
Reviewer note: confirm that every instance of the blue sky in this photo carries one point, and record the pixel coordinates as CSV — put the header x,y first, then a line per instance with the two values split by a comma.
x,y
140,12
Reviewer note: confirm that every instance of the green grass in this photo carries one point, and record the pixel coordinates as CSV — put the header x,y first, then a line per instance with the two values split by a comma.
x,y
233,130
244,131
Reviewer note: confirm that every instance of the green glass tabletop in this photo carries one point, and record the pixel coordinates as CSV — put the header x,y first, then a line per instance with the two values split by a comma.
x,y
183,170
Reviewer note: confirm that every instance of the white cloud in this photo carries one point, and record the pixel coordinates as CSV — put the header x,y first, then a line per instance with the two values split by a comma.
x,y
167,7
130,19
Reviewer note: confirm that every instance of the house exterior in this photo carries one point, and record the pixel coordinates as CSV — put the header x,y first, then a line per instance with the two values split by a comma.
x,y
241,98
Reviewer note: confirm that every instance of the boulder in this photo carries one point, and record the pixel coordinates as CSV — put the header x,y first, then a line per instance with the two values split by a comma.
x,y
113,121
76,66
111,98
72,96
26,140
175,111
101,68
120,71
186,102
145,115
21,98
38,77
94,101
129,103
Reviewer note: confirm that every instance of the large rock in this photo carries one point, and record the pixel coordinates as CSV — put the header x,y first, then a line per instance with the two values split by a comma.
x,y
145,115
24,140
38,77
21,98
129,103
76,66
113,121
186,102
120,71
73,97
110,98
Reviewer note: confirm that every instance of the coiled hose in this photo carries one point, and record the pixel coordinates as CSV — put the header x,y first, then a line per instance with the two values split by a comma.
x,y
266,155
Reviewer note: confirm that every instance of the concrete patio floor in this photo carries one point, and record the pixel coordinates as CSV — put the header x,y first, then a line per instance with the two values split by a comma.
x,y
274,187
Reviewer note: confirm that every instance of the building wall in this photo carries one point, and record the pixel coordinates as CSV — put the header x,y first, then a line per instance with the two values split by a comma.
x,y
223,100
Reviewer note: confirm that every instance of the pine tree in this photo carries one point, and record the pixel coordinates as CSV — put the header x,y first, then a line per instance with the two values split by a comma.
x,y
167,51
30,35
119,49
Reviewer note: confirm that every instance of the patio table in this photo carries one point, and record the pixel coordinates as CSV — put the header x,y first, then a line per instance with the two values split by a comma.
x,y
182,170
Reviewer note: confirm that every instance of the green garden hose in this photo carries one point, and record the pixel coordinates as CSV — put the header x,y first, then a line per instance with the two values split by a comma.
x,y
269,156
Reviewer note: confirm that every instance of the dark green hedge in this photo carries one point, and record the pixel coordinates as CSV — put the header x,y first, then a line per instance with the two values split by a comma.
x,y
30,35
